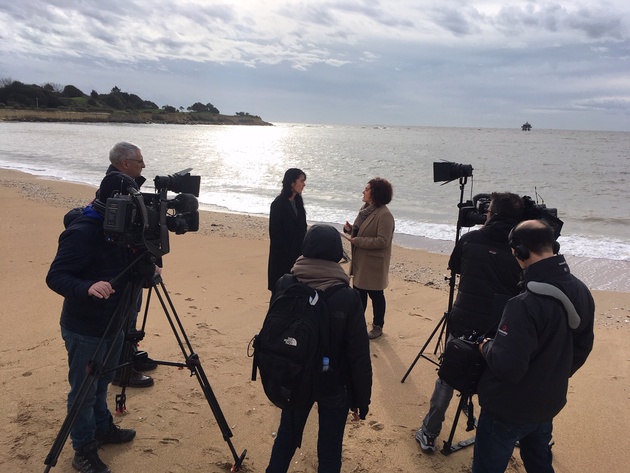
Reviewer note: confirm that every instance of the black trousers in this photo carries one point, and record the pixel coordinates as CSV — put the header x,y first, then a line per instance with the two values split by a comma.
x,y
378,304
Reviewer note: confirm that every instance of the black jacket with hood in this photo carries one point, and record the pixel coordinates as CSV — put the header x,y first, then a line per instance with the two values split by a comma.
x,y
489,276
84,257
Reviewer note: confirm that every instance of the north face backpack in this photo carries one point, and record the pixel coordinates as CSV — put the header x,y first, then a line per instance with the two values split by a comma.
x,y
293,345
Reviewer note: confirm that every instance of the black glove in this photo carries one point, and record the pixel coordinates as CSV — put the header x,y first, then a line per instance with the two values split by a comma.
x,y
363,412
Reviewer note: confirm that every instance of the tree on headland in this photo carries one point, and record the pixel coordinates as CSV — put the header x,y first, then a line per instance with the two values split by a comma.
x,y
115,106
53,87
72,92
199,107
51,95
23,95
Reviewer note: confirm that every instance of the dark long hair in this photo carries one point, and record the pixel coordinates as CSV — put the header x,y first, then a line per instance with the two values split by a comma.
x,y
290,176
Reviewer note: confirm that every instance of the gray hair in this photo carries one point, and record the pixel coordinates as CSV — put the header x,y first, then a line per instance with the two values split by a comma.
x,y
121,151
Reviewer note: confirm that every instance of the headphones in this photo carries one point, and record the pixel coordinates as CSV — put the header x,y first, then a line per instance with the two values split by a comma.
x,y
521,251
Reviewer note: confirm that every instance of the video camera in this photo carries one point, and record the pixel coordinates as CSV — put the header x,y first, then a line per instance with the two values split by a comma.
x,y
142,220
473,212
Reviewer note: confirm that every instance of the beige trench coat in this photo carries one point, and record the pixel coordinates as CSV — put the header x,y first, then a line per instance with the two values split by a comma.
x,y
372,251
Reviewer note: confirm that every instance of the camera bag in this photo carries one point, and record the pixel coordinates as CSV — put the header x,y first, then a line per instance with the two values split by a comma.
x,y
461,365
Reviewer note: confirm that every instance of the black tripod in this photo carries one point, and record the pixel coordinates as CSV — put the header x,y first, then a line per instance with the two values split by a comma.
x,y
120,321
442,327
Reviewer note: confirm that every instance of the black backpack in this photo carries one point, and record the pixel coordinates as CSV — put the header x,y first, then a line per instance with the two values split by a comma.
x,y
290,348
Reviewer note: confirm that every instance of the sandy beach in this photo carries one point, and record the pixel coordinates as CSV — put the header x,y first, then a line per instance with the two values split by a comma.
x,y
217,280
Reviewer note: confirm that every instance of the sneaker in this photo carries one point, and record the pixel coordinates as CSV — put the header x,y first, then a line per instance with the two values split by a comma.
x,y
136,380
86,460
116,435
427,442
375,332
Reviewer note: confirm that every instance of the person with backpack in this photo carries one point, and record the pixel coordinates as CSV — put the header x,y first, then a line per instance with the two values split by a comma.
x,y
347,384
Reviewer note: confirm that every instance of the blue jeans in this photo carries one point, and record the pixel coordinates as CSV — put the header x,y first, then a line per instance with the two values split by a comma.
x,y
495,440
440,399
93,418
332,423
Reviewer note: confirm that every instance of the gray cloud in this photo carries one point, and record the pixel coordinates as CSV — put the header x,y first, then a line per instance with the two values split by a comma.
x,y
446,62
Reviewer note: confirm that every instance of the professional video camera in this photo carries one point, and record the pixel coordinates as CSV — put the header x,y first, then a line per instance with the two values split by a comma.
x,y
473,212
142,220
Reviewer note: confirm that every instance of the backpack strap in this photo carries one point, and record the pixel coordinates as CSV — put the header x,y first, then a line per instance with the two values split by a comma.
x,y
325,326
545,289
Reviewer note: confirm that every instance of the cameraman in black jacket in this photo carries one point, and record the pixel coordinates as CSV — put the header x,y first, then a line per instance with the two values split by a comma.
x,y
539,345
351,384
489,276
82,272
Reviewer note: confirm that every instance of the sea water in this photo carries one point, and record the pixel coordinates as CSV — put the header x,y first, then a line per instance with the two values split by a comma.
x,y
582,174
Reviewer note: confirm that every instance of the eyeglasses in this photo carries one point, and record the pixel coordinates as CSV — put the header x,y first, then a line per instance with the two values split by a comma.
x,y
141,161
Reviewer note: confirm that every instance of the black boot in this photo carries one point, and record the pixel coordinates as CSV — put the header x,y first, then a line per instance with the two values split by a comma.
x,y
141,361
86,459
136,380
115,434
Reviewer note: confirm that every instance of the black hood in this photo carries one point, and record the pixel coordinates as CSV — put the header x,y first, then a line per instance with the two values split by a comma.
x,y
323,242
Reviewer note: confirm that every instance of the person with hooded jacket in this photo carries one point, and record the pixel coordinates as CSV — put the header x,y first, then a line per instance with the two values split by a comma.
x,y
489,276
544,336
351,381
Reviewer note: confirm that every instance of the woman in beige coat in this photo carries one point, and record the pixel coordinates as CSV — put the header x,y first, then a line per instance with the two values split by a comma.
x,y
371,238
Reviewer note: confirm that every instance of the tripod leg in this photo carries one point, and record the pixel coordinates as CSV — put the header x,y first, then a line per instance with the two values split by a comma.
x,y
216,409
73,412
194,364
94,372
426,344
448,444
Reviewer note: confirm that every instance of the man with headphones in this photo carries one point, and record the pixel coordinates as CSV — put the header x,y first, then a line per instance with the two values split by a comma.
x,y
544,336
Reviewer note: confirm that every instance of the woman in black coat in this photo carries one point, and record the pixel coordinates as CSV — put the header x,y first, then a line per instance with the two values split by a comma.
x,y
287,226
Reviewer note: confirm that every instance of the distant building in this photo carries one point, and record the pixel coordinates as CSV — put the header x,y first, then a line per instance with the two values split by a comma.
x,y
526,126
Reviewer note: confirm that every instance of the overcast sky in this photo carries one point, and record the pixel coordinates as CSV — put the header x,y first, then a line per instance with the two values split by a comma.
x,y
557,64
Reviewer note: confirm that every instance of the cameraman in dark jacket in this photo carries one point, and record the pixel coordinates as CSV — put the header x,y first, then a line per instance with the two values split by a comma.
x,y
351,381
540,343
489,276
82,271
